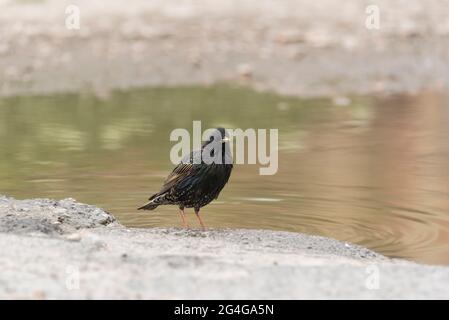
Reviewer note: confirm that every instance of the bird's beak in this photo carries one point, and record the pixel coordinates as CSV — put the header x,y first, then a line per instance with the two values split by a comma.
x,y
225,139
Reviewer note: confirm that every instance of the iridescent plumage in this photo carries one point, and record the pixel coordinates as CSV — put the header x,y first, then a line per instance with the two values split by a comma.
x,y
195,182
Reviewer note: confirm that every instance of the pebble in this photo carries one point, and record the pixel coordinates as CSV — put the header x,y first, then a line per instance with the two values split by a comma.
x,y
73,237
341,101
244,70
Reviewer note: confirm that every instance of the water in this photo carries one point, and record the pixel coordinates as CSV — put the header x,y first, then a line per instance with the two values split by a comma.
x,y
374,172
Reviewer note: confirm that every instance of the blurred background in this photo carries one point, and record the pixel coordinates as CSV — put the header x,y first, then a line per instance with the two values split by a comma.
x,y
362,110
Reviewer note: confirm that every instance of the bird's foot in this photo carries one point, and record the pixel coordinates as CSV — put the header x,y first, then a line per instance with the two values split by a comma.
x,y
185,225
197,213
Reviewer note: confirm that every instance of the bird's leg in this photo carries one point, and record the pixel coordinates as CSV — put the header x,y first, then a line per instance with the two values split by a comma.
x,y
197,213
183,218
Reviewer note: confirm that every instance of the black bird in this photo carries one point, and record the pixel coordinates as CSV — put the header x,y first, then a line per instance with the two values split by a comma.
x,y
197,180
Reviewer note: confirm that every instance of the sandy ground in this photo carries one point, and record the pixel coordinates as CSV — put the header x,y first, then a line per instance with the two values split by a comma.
x,y
296,47
64,249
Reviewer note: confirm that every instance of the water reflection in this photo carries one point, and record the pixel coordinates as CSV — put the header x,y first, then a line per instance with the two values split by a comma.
x,y
374,171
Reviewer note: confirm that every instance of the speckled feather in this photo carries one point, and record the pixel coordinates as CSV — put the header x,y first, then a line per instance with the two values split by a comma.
x,y
192,184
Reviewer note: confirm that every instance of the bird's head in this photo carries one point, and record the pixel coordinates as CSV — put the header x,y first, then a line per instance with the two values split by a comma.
x,y
218,145
218,135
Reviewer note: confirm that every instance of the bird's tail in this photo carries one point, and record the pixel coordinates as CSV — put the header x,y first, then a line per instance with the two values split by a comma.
x,y
155,201
149,206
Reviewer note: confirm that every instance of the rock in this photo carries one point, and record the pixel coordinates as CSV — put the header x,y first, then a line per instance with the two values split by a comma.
x,y
245,71
49,216
341,101
73,237
290,36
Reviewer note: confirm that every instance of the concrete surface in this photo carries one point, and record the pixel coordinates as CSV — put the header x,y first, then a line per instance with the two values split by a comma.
x,y
63,249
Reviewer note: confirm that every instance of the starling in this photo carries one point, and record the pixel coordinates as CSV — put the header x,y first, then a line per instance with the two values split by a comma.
x,y
198,179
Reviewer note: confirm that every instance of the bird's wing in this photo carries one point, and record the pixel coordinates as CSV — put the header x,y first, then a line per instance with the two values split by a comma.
x,y
182,171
